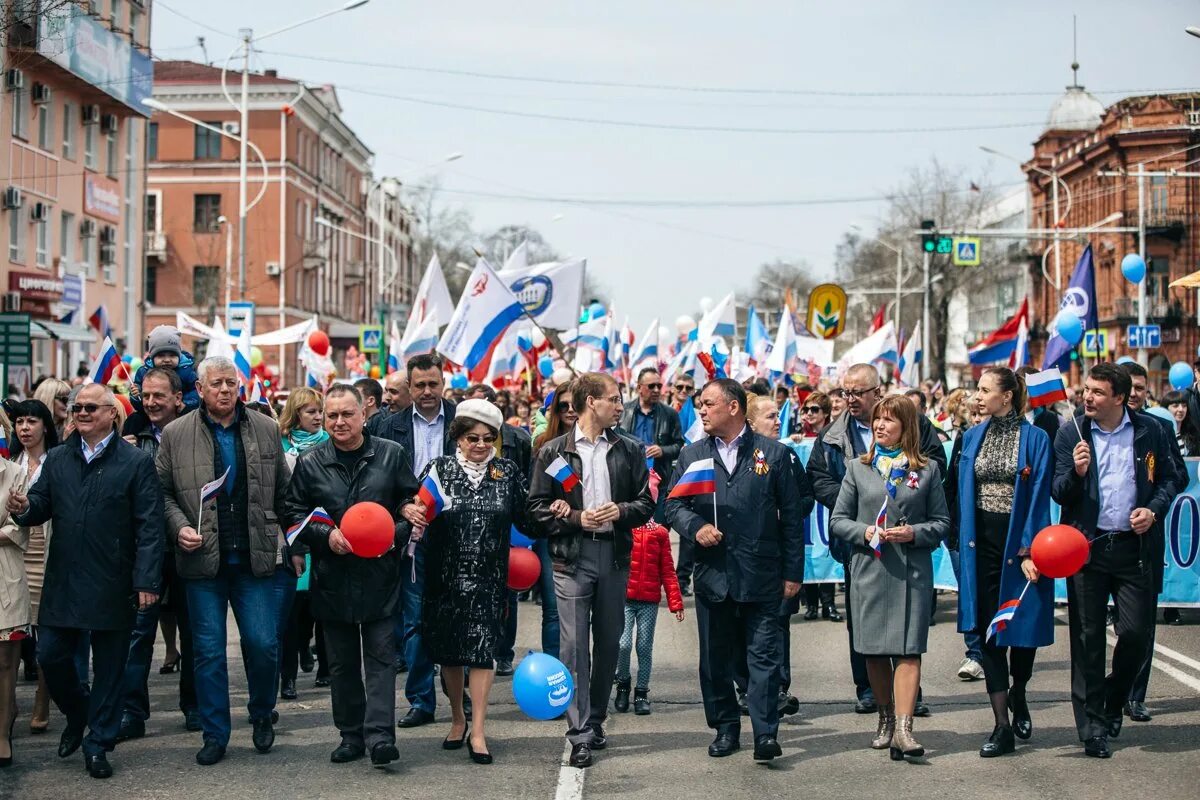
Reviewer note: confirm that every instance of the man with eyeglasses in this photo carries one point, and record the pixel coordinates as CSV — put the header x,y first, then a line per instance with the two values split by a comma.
x,y
849,436
656,426
103,565
684,404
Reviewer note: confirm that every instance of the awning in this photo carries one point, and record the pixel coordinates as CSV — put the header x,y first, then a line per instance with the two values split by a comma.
x,y
1187,282
44,329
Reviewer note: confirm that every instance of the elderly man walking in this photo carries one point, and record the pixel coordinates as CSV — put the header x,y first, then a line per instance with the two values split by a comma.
x,y
228,546
103,565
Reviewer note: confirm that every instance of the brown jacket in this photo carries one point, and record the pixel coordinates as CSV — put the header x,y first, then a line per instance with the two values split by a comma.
x,y
185,463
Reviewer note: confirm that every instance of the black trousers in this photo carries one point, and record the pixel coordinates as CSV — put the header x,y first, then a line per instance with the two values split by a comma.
x,y
1140,684
741,675
98,706
297,635
363,714
858,664
1117,569
739,632
999,663
818,592
687,561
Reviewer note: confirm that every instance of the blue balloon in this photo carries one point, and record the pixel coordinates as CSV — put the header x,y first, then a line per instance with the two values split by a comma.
x,y
546,366
1070,328
542,686
459,381
518,539
524,342
1162,413
1133,267
1180,375
1125,360
596,310
127,358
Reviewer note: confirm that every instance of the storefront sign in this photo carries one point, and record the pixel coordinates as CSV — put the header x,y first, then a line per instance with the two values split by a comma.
x,y
102,197
35,286
77,42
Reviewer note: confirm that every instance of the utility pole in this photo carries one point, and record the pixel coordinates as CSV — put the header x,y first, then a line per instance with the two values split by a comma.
x,y
243,163
927,356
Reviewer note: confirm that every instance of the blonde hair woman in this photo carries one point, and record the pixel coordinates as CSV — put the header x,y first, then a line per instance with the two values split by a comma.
x,y
300,424
56,396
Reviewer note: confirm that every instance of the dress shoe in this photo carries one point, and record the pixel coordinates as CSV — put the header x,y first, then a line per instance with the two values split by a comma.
x,y
1114,726
788,705
306,661
346,752
999,743
456,744
287,691
274,717
131,728
1022,723
866,705
97,766
766,748
599,740
726,744
191,721
1137,711
831,613
921,709
415,718
384,753
71,739
1171,617
743,704
504,669
263,736
1097,747
811,613
321,681
621,701
581,756
479,757
210,754
641,702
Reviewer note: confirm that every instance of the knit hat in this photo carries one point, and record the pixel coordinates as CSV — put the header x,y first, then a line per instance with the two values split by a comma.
x,y
480,411
164,339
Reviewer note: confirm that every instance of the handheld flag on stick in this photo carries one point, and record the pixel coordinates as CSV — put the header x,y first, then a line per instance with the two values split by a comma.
x,y
105,364
561,471
431,495
699,478
316,515
1046,388
207,492
1005,614
880,523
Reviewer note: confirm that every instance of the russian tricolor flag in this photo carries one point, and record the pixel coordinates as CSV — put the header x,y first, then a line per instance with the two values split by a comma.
x,y
699,478
561,471
105,364
209,490
880,524
484,312
318,514
431,495
999,622
99,321
3,445
1046,387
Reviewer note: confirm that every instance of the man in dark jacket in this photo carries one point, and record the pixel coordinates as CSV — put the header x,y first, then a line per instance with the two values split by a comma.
x,y
749,556
103,565
847,437
590,528
1115,483
356,598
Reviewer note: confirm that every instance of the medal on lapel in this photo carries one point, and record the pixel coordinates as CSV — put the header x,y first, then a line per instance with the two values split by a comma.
x,y
760,463
496,472
912,481
1150,466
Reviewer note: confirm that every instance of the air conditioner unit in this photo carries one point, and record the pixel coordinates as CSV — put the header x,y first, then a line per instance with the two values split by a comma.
x,y
12,197
40,212
14,80
87,228
273,270
108,235
12,301
108,123
91,115
232,128
41,93
108,254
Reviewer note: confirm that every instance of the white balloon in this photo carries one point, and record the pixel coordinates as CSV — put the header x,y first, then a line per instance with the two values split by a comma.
x,y
538,338
684,325
706,304
663,333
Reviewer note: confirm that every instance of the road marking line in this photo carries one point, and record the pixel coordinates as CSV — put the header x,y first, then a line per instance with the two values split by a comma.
x,y
1180,657
1176,673
570,779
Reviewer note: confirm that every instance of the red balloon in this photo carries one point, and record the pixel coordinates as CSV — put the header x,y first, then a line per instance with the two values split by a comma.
x,y
128,406
1059,551
318,342
523,568
369,529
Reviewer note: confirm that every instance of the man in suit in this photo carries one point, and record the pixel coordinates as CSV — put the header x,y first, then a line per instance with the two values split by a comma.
x,y
1115,483
847,437
423,430
654,425
749,556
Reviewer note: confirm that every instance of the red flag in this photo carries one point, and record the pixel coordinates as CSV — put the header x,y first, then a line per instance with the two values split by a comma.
x,y
877,323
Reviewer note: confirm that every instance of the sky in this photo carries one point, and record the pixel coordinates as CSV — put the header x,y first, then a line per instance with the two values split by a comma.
x,y
783,111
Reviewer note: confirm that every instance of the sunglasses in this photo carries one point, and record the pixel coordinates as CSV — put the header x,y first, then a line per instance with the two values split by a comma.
x,y
683,387
474,438
812,410
89,408
63,398
652,385
563,407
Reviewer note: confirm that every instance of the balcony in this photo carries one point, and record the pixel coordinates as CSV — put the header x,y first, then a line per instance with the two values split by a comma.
x,y
156,245
314,254
355,272
1163,312
1166,223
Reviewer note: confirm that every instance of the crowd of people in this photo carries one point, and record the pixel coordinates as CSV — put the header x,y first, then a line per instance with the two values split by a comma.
x,y
166,510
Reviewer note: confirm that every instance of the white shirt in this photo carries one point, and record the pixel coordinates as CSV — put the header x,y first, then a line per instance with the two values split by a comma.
x,y
429,437
597,488
729,452
90,453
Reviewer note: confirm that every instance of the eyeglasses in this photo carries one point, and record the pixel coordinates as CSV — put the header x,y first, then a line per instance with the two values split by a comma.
x,y
63,398
89,408
812,410
651,385
475,438
684,387
563,407
858,394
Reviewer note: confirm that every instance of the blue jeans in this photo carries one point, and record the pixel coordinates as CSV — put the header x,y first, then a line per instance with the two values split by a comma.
x,y
418,688
135,694
98,706
549,599
973,640
255,605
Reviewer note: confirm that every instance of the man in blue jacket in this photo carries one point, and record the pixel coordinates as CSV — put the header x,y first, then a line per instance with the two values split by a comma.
x,y
749,556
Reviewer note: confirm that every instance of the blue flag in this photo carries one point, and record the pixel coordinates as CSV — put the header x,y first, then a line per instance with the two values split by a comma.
x,y
1080,299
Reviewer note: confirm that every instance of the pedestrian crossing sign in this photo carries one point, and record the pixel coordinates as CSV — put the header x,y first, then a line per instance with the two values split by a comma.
x,y
966,251
370,337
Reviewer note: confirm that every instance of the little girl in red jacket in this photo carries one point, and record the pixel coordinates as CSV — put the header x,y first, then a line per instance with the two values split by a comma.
x,y
651,570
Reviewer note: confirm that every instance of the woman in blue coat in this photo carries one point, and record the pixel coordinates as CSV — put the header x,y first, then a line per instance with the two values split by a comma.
x,y
1004,489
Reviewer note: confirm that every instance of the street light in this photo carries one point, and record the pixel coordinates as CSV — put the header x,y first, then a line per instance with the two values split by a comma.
x,y
246,45
1193,30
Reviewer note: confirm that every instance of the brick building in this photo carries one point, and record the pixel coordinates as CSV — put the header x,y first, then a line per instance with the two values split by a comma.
x,y
316,168
1082,141
72,138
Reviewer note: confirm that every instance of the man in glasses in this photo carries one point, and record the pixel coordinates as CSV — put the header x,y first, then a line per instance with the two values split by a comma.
x,y
849,436
655,425
103,565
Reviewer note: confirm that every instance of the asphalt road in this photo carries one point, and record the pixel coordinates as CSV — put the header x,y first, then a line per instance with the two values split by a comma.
x,y
664,754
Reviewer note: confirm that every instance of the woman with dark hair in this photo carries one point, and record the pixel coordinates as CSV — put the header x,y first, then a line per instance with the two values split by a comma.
x,y
892,511
466,564
1004,480
15,614
1187,431
559,417
815,414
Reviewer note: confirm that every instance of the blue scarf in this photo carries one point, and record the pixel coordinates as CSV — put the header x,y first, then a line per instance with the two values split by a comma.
x,y
891,465
300,441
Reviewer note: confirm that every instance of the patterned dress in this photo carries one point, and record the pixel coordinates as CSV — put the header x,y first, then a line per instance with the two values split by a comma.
x,y
466,562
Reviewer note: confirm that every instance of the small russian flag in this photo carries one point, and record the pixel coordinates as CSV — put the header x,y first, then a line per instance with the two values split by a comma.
x,y
318,514
880,523
3,445
699,478
209,490
561,471
1006,612
105,364
431,495
1046,388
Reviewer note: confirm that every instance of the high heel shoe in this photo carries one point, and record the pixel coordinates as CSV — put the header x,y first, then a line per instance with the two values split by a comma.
x,y
477,757
168,667
456,744
903,744
886,729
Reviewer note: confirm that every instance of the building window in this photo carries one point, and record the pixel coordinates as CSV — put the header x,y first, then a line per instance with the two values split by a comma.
x,y
152,211
20,114
151,283
135,24
1157,281
1158,196
66,242
87,250
110,153
89,146
68,149
204,285
208,142
45,113
42,249
207,210
108,257
152,141
16,236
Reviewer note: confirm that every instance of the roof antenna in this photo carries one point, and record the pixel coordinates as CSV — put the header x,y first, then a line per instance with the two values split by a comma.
x,y
203,49
1075,52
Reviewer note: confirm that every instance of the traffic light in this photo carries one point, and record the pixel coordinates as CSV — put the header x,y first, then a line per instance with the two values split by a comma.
x,y
928,240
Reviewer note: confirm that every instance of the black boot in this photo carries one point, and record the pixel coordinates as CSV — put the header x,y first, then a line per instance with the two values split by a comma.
x,y
811,613
621,703
641,702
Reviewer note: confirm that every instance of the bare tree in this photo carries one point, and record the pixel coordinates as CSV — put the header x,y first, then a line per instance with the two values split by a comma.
x,y
442,230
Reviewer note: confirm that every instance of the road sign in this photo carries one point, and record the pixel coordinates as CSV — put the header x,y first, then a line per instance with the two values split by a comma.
x,y
370,337
1095,343
16,347
1139,336
966,251
239,315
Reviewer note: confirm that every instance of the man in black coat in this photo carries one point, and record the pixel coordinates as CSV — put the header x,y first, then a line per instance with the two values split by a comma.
x,y
1114,483
749,556
355,598
103,565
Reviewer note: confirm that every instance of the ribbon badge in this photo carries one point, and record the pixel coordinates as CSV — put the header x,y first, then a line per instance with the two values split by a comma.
x,y
760,463
912,481
496,472
1150,466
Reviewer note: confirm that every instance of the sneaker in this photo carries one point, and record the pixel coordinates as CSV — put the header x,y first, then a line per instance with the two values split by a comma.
x,y
970,670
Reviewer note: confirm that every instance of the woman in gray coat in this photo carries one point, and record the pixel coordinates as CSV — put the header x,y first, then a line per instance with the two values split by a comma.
x,y
892,511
